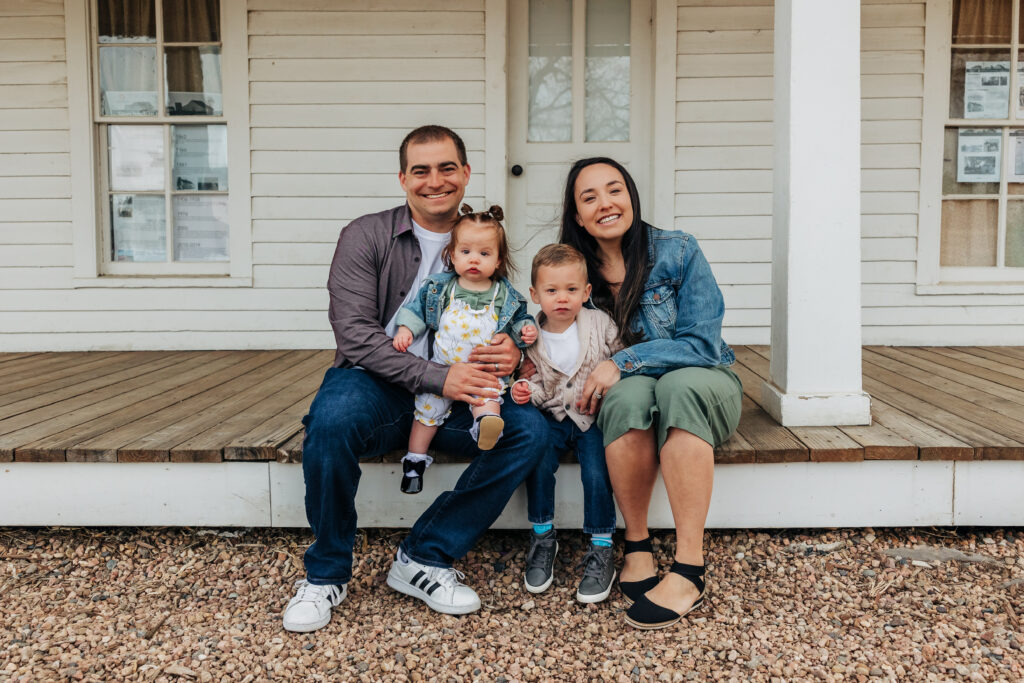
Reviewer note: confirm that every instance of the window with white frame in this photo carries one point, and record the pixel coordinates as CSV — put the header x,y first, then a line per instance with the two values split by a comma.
x,y
162,138
982,207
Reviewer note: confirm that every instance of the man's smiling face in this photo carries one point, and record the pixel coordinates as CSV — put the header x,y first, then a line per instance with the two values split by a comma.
x,y
434,182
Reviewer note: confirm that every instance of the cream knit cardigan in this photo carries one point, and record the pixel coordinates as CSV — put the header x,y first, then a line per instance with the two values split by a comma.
x,y
557,392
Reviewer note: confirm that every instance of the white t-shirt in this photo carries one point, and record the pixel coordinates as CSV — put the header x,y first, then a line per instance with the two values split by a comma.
x,y
431,246
563,347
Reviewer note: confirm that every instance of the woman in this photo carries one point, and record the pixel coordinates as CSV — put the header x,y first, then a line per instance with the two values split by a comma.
x,y
669,396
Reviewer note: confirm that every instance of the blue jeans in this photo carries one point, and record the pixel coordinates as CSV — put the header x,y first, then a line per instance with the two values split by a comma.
x,y
356,415
598,505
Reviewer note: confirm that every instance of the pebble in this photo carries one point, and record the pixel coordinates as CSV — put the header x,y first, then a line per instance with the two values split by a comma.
x,y
211,604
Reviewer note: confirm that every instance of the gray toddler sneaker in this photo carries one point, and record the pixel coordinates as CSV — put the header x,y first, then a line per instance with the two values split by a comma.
x,y
540,561
598,574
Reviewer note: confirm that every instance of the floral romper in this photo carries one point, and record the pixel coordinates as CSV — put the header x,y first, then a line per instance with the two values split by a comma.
x,y
460,330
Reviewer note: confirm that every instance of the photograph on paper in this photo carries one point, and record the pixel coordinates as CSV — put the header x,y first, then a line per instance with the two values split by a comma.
x,y
978,154
986,90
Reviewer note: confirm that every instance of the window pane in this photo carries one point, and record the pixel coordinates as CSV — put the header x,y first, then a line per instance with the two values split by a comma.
x,y
126,21
971,161
607,70
200,227
128,81
191,21
969,232
979,84
193,81
200,158
138,227
550,67
136,157
1015,234
981,21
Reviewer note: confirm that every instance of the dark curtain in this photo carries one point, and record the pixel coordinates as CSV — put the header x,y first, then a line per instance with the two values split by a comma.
x,y
126,19
191,21
981,21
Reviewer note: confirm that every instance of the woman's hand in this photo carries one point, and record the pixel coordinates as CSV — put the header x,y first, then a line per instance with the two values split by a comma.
x,y
527,369
403,337
600,381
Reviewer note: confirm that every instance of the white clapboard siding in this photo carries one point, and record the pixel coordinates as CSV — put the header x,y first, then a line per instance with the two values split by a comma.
x,y
334,85
723,179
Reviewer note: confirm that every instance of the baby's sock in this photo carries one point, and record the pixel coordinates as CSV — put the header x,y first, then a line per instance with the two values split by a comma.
x,y
602,540
541,529
416,457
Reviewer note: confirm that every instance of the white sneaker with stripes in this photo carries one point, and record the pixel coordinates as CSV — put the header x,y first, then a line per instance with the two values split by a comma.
x,y
439,587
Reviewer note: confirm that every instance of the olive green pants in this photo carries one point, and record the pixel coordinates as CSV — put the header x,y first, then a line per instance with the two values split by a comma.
x,y
703,401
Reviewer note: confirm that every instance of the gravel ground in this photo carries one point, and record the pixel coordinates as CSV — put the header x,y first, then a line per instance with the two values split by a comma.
x,y
186,604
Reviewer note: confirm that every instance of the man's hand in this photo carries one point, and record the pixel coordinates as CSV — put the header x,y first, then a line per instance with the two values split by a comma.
x,y
403,338
521,392
468,383
528,334
500,358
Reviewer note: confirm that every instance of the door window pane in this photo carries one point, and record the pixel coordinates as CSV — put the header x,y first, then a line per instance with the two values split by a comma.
x,y
193,81
128,81
969,232
191,21
200,158
550,69
139,230
126,21
607,70
200,227
136,157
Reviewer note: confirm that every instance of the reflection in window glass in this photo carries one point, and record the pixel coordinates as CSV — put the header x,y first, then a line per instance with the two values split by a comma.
x,y
200,158
191,21
193,81
1015,234
128,81
550,68
607,70
200,227
969,232
139,224
126,21
136,157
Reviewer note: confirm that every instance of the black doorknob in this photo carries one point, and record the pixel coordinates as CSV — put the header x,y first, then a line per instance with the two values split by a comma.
x,y
517,170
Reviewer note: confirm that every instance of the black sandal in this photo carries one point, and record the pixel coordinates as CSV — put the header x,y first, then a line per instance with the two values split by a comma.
x,y
647,615
634,590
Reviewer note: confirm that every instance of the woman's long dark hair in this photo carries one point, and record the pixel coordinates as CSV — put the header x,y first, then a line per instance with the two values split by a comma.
x,y
634,252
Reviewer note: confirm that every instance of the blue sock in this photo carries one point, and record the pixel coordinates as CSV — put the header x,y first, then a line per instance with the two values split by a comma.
x,y
602,540
542,528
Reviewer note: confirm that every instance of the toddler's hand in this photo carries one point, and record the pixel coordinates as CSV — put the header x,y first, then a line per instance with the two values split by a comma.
x,y
403,338
528,334
520,392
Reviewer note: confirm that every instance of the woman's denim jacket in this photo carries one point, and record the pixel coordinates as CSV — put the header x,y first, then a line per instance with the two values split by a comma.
x,y
680,313
425,310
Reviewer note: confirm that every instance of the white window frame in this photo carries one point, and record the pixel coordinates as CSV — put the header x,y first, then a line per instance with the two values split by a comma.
x,y
933,278
87,160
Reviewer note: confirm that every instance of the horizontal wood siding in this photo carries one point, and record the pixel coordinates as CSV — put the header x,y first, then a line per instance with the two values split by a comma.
x,y
723,179
333,88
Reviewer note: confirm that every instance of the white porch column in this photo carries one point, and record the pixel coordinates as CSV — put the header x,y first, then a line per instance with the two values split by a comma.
x,y
816,336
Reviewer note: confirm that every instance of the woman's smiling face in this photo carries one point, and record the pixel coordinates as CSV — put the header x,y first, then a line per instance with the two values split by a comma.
x,y
603,206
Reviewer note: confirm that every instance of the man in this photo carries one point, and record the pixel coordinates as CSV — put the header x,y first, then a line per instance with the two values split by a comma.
x,y
365,403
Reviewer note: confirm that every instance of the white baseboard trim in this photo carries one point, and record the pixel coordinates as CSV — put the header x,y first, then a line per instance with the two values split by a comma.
x,y
787,495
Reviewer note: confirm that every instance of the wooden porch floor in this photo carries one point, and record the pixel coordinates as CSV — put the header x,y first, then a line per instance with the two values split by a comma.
x,y
928,403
